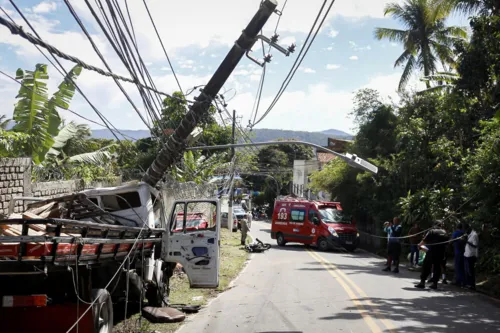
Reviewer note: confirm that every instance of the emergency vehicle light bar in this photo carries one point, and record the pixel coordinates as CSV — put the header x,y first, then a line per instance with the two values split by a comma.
x,y
352,160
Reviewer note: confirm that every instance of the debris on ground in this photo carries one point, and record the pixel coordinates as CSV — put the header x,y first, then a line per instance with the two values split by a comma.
x,y
163,315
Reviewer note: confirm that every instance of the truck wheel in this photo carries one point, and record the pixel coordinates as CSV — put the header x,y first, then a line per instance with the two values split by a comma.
x,y
102,311
280,239
323,244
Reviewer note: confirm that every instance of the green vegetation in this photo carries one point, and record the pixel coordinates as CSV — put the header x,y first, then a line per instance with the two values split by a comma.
x,y
437,150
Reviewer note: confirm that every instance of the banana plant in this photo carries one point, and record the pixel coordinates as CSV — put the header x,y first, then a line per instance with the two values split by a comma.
x,y
37,115
196,167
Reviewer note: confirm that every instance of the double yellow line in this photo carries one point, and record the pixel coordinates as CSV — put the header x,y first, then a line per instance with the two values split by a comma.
x,y
348,286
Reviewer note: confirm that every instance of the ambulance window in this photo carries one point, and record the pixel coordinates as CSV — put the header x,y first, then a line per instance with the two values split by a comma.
x,y
312,214
297,215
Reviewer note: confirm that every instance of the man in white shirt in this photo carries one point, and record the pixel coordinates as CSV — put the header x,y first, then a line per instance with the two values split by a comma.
x,y
470,257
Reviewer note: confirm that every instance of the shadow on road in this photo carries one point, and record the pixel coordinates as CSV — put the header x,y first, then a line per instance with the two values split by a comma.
x,y
266,230
459,313
372,268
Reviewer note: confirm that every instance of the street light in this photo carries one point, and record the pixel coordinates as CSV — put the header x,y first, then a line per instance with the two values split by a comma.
x,y
352,160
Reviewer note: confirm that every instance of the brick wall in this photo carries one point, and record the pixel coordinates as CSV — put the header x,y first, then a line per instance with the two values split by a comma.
x,y
15,181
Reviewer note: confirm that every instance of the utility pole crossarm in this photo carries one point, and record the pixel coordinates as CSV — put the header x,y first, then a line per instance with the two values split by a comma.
x,y
170,153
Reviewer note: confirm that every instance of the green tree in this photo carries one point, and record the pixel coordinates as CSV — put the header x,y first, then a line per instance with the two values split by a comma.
x,y
426,39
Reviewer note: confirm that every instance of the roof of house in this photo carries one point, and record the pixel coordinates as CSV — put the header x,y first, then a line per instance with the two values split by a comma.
x,y
325,157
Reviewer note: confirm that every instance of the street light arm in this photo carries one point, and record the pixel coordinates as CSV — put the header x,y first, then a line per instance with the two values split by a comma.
x,y
352,160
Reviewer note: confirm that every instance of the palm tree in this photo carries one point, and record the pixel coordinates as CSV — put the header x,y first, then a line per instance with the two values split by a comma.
x,y
426,39
474,7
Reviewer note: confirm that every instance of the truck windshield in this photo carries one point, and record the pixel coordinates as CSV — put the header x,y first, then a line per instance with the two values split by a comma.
x,y
332,215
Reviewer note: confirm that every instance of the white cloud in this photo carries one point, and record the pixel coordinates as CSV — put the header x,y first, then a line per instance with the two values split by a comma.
x,y
45,7
329,48
333,33
353,57
307,70
330,106
355,47
332,66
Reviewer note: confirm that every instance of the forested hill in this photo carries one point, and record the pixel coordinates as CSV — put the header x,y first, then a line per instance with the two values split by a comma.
x,y
257,135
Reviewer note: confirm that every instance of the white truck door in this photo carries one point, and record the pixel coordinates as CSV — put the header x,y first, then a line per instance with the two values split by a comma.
x,y
192,239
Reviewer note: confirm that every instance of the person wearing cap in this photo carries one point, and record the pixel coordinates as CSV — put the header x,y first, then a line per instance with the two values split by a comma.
x,y
435,241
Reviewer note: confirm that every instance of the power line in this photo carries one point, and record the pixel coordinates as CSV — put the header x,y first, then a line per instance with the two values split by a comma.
x,y
258,96
128,53
299,59
96,49
163,47
17,30
69,110
65,75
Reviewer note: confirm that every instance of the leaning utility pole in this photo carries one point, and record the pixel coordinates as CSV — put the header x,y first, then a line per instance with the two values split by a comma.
x,y
176,142
231,182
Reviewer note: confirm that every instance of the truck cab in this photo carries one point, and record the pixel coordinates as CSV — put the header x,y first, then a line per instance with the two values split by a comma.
x,y
318,223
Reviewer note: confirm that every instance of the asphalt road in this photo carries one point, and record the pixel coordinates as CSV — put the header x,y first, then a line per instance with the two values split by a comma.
x,y
294,289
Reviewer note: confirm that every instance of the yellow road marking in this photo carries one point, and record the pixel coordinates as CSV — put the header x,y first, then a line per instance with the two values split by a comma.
x,y
364,313
388,324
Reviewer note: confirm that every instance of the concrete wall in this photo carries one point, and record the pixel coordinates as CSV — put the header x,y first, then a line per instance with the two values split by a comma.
x,y
56,188
15,181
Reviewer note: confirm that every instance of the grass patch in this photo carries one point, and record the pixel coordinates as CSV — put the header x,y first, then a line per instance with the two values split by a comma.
x,y
232,257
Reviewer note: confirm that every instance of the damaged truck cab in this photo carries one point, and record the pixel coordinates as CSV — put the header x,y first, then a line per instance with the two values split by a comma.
x,y
101,246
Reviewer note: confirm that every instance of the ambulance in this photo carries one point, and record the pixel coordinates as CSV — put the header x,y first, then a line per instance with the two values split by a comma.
x,y
319,223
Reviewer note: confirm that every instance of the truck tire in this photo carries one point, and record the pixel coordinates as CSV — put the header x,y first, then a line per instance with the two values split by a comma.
x,y
280,239
102,311
323,244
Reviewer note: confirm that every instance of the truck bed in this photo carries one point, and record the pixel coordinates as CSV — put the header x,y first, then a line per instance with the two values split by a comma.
x,y
69,230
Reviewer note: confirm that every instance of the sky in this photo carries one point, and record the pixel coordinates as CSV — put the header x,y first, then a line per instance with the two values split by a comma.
x,y
197,35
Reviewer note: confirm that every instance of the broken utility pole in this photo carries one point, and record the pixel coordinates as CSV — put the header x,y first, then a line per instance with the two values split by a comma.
x,y
176,142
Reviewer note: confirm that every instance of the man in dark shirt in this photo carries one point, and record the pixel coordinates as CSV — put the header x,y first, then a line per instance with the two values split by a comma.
x,y
434,240
459,249
394,231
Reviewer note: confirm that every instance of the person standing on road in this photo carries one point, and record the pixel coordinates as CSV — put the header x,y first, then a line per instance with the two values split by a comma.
x,y
435,241
244,230
415,238
459,249
394,230
470,257
249,218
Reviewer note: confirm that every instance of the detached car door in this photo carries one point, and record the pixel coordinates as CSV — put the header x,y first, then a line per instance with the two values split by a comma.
x,y
193,240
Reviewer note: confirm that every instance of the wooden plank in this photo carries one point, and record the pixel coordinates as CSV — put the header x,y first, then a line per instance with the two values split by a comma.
x,y
39,210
